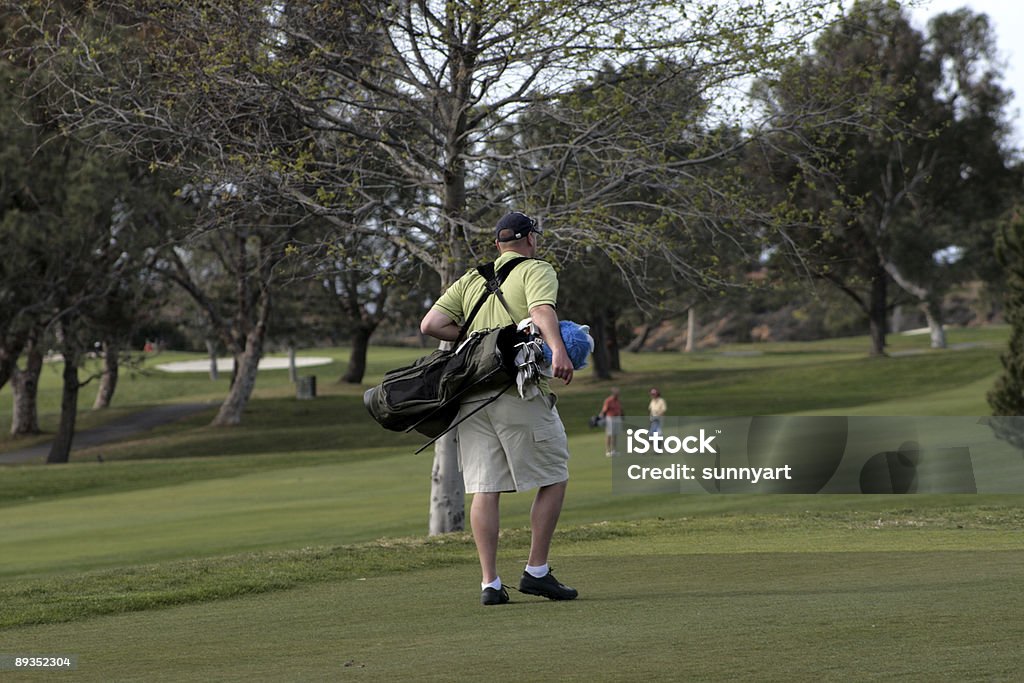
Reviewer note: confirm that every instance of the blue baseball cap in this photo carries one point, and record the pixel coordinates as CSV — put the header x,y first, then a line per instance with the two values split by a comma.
x,y
515,226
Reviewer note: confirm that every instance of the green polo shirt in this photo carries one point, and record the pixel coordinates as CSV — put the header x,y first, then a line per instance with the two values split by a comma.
x,y
531,283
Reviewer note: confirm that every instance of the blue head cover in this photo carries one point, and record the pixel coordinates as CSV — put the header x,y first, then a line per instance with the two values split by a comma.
x,y
578,343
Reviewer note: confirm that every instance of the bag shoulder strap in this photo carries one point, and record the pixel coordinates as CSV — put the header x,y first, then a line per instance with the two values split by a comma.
x,y
493,282
487,270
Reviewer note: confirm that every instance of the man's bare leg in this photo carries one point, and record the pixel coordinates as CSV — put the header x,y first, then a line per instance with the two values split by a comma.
x,y
547,506
484,517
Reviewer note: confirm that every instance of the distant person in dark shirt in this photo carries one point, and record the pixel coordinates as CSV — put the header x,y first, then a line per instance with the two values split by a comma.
x,y
612,413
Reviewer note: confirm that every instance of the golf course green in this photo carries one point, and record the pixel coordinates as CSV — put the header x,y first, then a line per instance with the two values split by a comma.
x,y
294,547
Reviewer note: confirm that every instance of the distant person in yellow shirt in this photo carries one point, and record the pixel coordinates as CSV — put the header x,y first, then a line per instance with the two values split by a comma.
x,y
656,409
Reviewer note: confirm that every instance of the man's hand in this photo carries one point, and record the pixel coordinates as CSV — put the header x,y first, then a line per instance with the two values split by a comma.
x,y
561,366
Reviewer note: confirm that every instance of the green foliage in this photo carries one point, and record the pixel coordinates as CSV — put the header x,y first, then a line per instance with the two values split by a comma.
x,y
1007,397
891,171
75,218
405,125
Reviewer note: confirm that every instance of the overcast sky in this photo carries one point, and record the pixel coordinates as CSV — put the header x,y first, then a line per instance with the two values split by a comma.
x,y
1007,19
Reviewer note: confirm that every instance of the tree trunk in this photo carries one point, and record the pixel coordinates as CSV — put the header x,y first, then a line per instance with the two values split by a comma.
x,y
108,380
10,350
60,450
599,331
691,329
447,489
614,361
936,330
897,320
641,339
931,304
357,359
244,379
7,364
877,313
25,387
293,370
211,349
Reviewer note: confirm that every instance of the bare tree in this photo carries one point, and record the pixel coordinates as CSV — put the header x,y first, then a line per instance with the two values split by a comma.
x,y
230,272
436,89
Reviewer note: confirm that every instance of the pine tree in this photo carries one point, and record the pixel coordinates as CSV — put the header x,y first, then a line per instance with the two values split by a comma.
x,y
1007,396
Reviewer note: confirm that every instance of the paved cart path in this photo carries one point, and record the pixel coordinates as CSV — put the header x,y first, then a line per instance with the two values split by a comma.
x,y
115,430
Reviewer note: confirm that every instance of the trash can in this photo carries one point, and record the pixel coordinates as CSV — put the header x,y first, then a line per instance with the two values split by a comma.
x,y
305,388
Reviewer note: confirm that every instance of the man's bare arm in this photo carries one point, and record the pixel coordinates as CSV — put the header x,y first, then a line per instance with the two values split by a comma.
x,y
545,318
440,326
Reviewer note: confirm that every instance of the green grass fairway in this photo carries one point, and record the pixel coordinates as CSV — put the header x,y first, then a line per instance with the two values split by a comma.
x,y
810,599
832,375
293,547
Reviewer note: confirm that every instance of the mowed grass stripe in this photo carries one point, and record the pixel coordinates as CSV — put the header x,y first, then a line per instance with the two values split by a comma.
x,y
911,615
773,383
333,504
326,504
281,433
74,596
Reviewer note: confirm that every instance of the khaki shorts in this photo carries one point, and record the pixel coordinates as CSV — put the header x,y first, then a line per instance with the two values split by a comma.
x,y
512,444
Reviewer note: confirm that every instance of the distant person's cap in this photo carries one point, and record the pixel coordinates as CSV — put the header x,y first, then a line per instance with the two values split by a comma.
x,y
514,226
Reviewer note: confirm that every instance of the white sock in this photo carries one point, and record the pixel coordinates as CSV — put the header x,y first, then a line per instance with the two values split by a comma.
x,y
537,572
496,584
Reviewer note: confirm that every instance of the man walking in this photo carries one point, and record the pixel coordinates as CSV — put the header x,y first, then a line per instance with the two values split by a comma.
x,y
512,444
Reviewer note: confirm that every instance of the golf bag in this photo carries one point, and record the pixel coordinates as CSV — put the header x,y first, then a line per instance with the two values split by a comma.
x,y
425,396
